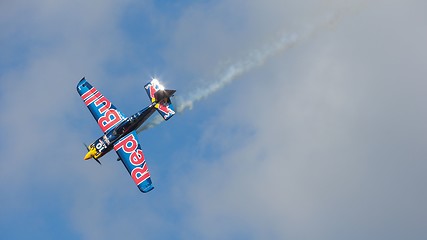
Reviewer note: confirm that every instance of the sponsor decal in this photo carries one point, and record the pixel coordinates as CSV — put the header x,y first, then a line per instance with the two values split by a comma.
x,y
139,170
152,87
107,117
166,110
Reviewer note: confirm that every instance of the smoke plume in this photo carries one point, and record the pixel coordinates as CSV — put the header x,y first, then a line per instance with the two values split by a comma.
x,y
254,59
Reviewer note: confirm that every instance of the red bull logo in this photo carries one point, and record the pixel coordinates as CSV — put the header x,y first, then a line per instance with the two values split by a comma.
x,y
165,110
108,117
150,91
139,171
152,87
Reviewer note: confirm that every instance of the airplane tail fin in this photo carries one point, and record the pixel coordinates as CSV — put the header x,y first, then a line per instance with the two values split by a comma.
x,y
161,96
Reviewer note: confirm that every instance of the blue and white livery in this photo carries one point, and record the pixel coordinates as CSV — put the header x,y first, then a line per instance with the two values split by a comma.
x,y
120,131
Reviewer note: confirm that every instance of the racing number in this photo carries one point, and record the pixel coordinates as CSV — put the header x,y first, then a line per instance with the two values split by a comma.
x,y
100,146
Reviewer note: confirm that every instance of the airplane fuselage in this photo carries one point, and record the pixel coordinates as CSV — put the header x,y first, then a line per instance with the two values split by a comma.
x,y
105,143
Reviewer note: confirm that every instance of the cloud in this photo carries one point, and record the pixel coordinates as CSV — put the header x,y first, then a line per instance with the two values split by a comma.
x,y
338,129
323,141
52,45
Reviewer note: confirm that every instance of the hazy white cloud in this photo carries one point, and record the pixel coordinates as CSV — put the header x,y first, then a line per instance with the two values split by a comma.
x,y
325,140
51,45
338,135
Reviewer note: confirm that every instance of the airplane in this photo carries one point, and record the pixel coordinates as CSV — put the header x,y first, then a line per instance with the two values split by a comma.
x,y
120,131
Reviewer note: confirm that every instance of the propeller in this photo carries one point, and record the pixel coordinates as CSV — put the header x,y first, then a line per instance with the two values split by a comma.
x,y
87,148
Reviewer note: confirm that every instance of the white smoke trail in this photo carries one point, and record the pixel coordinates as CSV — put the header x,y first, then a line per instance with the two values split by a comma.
x,y
254,59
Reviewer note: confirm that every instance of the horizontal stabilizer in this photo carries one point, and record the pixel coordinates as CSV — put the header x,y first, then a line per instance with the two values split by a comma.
x,y
161,96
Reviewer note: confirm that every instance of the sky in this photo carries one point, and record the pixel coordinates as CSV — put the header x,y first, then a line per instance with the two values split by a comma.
x,y
297,119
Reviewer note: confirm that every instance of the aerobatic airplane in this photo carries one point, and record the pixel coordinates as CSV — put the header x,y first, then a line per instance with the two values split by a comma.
x,y
120,131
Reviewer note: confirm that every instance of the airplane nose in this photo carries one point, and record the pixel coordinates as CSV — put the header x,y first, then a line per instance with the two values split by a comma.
x,y
88,155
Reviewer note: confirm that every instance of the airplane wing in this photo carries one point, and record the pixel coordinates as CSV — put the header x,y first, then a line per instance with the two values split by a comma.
x,y
132,157
105,113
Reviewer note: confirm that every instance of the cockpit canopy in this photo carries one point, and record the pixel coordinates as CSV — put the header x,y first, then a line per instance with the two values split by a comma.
x,y
122,127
